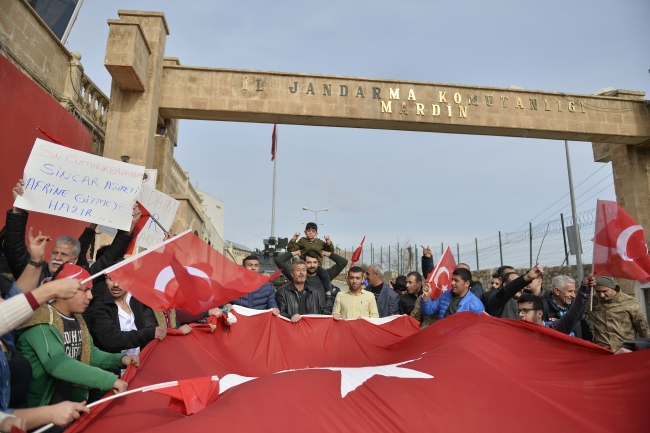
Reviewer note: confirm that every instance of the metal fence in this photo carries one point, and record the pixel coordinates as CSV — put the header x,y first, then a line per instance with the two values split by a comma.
x,y
546,243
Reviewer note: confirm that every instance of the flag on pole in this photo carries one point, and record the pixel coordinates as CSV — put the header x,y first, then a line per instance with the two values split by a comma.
x,y
142,222
185,272
53,137
620,248
440,277
357,253
274,142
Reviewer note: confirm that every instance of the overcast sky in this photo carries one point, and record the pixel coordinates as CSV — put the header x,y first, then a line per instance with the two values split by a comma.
x,y
427,187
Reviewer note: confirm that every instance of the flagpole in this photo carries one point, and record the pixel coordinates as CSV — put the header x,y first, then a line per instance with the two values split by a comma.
x,y
575,216
275,160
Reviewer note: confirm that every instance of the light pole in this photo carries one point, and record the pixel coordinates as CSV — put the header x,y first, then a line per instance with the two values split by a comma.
x,y
316,212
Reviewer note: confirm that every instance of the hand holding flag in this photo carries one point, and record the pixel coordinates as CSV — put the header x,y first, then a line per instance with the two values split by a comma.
x,y
441,275
185,272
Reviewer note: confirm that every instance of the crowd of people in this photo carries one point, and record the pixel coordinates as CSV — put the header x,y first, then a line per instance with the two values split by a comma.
x,y
66,343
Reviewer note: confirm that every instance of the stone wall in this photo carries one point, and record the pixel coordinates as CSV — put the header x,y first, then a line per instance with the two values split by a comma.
x,y
33,47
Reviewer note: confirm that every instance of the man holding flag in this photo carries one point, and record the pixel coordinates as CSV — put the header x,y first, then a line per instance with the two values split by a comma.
x,y
620,251
456,300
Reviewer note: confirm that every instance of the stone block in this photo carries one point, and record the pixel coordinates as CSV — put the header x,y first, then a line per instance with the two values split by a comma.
x,y
127,55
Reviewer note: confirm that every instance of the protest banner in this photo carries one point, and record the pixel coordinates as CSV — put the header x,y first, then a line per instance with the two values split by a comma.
x,y
149,178
73,184
163,208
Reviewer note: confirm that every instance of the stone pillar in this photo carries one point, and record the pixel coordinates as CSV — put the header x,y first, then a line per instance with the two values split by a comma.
x,y
134,57
631,170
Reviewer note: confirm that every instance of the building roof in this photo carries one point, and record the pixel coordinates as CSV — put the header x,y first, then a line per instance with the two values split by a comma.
x,y
238,246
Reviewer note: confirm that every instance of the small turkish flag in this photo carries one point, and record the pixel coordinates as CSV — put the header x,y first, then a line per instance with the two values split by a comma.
x,y
441,275
357,253
191,395
620,248
185,272
138,227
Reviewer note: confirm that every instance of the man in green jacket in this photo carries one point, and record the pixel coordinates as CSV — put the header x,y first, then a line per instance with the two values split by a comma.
x,y
64,360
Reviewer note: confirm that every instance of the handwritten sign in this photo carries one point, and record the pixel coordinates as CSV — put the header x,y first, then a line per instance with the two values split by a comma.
x,y
163,208
78,185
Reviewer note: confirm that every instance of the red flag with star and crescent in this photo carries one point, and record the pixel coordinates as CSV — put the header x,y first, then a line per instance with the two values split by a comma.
x,y
620,248
378,375
185,272
440,277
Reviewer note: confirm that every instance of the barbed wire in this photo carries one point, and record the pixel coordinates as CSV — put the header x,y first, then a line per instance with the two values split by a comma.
x,y
518,248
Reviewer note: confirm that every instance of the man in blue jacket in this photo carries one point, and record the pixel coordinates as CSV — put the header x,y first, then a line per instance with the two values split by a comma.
x,y
262,298
458,299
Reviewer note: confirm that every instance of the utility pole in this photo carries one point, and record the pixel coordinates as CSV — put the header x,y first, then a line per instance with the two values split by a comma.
x,y
575,216
275,160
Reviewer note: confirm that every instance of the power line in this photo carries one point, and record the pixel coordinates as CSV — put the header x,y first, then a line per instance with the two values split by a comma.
x,y
589,177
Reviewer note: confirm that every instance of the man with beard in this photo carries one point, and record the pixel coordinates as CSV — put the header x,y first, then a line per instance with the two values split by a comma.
x,y
355,302
296,298
65,249
283,261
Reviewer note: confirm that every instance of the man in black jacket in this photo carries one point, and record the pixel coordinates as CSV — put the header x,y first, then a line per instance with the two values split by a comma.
x,y
118,322
500,302
65,248
558,302
531,309
296,298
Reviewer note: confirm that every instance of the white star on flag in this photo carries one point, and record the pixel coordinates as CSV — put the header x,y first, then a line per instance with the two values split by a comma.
x,y
351,377
354,377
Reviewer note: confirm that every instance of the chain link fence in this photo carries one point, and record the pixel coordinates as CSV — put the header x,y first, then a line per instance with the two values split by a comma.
x,y
546,243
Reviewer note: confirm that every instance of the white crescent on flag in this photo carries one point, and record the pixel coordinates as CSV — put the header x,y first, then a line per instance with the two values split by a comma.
x,y
623,239
167,274
443,269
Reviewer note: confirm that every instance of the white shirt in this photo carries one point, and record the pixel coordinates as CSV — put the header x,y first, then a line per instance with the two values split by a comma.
x,y
127,323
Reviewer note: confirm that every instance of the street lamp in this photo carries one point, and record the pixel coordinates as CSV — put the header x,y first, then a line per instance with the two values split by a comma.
x,y
316,212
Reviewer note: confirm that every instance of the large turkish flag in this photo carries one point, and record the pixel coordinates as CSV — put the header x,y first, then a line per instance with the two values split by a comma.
x,y
465,373
185,272
620,248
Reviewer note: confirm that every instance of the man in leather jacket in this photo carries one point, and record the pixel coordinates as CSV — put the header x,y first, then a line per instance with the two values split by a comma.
x,y
296,298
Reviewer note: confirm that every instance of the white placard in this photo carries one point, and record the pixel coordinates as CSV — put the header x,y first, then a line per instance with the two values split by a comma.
x,y
163,208
73,184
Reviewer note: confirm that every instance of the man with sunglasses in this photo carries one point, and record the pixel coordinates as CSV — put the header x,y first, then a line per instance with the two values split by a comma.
x,y
531,308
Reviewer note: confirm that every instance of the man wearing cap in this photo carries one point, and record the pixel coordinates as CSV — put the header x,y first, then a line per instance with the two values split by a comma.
x,y
64,360
616,316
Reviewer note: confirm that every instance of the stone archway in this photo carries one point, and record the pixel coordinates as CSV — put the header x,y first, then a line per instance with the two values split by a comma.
x,y
150,92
